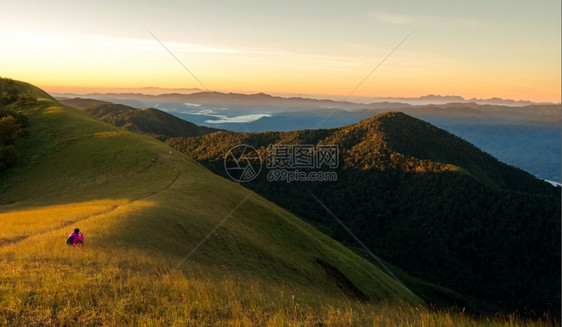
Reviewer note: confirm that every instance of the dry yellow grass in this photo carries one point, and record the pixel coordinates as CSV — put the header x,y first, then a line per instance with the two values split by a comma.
x,y
44,282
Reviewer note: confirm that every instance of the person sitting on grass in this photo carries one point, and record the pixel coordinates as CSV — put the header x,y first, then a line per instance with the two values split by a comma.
x,y
76,237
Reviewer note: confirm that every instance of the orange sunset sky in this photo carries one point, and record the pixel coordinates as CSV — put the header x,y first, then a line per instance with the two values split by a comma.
x,y
508,49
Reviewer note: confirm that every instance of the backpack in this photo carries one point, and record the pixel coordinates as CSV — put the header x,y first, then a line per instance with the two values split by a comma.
x,y
70,240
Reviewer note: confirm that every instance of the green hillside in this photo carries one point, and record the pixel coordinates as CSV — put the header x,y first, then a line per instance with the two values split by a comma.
x,y
145,121
427,201
143,207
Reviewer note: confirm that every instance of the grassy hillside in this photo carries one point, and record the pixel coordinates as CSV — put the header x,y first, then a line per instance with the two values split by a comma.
x,y
146,121
425,200
143,207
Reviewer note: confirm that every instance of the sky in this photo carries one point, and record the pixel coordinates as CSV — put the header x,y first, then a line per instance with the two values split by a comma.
x,y
482,49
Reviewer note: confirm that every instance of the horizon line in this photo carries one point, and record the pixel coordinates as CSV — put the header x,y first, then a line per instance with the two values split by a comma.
x,y
86,90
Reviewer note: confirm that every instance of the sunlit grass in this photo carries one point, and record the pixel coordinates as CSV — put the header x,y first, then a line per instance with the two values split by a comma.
x,y
125,287
15,224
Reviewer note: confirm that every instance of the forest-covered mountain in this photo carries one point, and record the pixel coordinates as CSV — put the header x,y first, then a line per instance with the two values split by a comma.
x,y
425,200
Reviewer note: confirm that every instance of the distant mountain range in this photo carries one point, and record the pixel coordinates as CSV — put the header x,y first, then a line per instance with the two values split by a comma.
x,y
527,136
198,96
227,100
444,99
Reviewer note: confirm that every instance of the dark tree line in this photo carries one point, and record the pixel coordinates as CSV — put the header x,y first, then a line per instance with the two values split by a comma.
x,y
12,121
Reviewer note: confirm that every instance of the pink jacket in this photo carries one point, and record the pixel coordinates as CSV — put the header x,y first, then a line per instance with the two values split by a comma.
x,y
77,238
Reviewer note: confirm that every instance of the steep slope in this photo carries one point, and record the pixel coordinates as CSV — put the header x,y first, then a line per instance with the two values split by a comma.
x,y
165,238
426,201
410,138
146,121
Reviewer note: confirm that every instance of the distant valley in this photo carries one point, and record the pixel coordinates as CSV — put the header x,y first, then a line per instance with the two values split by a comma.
x,y
522,134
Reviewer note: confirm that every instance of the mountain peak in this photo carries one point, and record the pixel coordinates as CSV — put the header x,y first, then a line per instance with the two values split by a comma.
x,y
395,140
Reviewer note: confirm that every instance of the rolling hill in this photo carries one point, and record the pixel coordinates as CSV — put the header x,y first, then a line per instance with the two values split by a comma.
x,y
427,201
145,121
167,241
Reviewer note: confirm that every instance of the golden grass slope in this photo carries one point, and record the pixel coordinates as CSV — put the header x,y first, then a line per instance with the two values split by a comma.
x,y
132,193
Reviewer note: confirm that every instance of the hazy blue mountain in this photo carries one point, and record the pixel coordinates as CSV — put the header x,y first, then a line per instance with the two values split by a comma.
x,y
519,133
